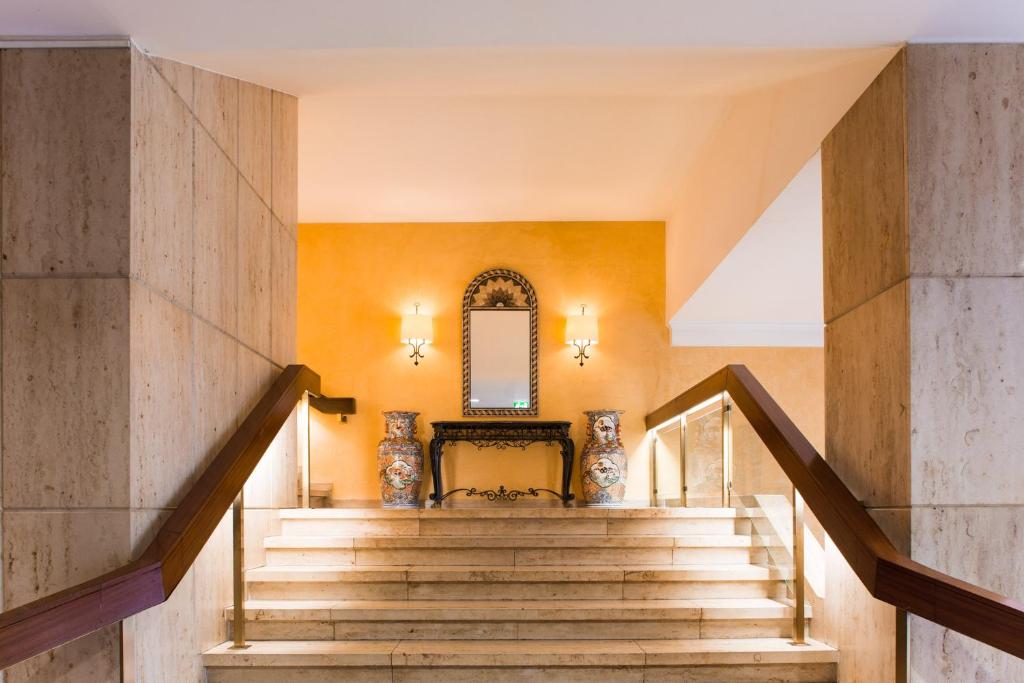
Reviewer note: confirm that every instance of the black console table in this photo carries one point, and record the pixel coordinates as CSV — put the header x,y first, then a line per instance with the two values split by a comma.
x,y
501,435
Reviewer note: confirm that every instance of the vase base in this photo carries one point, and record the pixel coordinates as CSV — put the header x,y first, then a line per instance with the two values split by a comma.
x,y
604,505
402,506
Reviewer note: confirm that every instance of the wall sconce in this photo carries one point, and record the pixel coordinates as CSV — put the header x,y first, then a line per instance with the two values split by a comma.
x,y
581,332
417,332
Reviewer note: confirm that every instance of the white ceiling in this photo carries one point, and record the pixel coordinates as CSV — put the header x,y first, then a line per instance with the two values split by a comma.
x,y
494,110
514,134
475,110
768,290
201,26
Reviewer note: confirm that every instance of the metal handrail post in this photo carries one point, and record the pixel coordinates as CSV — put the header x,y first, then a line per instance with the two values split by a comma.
x,y
726,452
682,460
304,448
238,570
799,580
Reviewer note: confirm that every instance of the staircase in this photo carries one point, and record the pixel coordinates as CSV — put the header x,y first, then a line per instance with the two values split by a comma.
x,y
319,494
517,594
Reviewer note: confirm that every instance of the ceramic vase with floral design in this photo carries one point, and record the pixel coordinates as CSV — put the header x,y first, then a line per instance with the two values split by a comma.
x,y
603,463
400,461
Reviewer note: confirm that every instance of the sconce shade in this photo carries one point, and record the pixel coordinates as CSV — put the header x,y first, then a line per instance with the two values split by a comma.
x,y
581,328
417,328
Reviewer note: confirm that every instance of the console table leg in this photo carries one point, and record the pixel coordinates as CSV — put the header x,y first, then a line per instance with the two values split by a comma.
x,y
436,447
568,450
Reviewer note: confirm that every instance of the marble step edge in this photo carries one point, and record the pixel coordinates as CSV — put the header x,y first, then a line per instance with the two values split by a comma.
x,y
286,542
696,609
482,513
519,654
514,574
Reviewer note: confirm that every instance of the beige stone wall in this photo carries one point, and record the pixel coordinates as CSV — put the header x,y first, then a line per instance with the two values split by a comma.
x,y
965,121
924,246
64,228
866,363
148,293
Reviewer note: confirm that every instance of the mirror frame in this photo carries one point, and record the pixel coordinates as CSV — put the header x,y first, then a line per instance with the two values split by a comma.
x,y
467,306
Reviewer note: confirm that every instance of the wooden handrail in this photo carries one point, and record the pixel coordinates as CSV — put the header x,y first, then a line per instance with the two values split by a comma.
x,y
888,574
149,580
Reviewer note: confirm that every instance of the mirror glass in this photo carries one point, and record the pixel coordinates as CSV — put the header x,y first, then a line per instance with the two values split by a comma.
x,y
499,345
500,349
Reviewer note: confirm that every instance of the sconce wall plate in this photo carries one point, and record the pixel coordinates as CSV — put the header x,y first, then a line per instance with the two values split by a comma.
x,y
581,332
417,332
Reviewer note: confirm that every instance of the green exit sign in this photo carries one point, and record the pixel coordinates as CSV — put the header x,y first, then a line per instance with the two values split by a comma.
x,y
520,404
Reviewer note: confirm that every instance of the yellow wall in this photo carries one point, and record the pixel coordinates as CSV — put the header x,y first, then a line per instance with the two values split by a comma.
x,y
355,281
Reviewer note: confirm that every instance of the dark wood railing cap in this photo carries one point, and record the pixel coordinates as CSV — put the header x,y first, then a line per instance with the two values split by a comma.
x,y
147,581
888,574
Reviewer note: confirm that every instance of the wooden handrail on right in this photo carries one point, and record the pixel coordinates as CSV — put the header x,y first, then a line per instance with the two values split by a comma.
x,y
888,575
149,580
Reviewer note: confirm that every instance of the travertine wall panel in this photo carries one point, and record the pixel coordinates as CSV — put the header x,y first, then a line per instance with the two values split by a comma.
x,y
181,77
216,374
282,294
230,359
967,252
285,159
48,551
863,173
254,137
161,184
212,593
980,544
65,116
966,142
967,391
254,254
94,658
138,359
215,239
216,108
162,399
867,354
38,567
867,391
166,638
959,357
863,627
65,392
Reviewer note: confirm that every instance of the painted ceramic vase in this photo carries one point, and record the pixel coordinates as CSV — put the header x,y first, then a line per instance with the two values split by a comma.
x,y
400,461
603,463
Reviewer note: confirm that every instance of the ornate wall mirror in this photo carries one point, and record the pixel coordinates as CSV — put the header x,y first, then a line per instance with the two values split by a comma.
x,y
499,345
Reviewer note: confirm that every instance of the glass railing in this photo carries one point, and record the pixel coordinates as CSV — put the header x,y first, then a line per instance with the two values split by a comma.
x,y
710,456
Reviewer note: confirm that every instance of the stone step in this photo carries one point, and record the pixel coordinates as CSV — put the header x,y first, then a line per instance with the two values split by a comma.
x,y
511,522
517,550
614,582
511,619
320,490
732,660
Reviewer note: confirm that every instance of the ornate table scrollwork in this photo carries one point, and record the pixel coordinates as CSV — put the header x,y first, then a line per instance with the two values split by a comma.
x,y
501,435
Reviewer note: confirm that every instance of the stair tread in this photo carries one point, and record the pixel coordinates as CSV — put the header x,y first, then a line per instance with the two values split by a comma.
x,y
521,653
608,601
631,573
495,610
512,513
554,542
736,651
